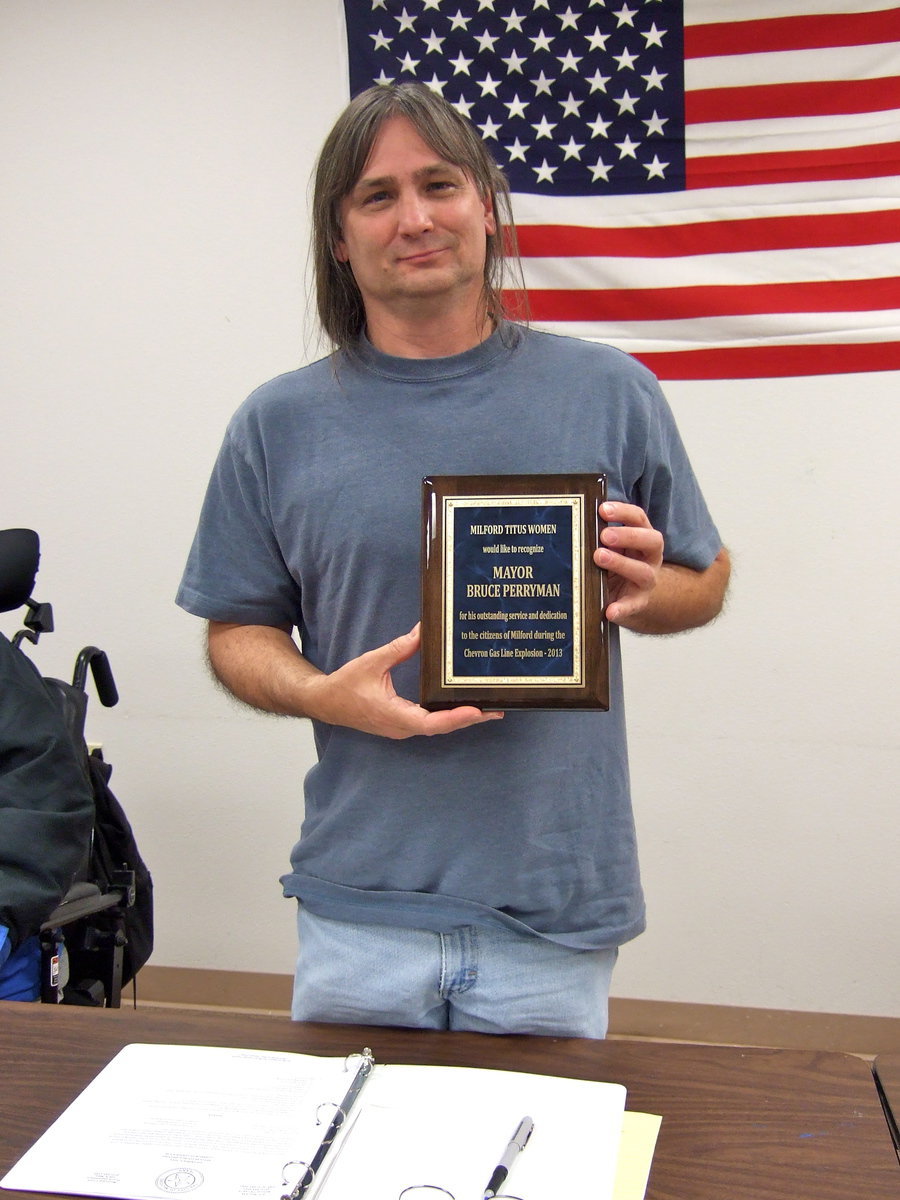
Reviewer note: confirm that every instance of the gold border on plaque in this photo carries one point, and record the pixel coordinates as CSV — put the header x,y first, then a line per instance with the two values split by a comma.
x,y
454,503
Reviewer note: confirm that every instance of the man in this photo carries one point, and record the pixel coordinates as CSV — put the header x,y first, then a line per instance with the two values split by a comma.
x,y
481,879
46,817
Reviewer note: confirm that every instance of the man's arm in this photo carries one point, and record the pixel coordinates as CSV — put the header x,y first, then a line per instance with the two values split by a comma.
x,y
648,594
262,666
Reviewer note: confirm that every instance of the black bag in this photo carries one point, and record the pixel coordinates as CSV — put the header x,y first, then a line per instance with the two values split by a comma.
x,y
116,861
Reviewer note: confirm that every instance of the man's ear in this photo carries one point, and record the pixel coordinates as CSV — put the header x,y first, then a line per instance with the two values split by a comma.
x,y
490,221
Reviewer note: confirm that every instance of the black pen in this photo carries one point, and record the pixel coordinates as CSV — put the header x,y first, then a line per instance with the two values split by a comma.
x,y
308,1177
517,1144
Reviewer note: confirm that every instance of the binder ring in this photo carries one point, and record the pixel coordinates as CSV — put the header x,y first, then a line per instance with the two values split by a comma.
x,y
304,1181
337,1111
365,1054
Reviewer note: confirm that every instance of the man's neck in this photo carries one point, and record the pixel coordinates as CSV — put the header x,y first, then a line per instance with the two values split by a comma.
x,y
425,337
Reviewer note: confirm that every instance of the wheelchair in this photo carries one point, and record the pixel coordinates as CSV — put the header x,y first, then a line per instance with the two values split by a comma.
x,y
85,938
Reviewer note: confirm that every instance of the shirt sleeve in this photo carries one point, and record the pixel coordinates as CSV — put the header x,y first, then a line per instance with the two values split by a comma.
x,y
668,491
235,570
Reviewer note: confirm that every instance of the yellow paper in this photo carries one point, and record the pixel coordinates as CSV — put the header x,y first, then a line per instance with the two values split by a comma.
x,y
639,1133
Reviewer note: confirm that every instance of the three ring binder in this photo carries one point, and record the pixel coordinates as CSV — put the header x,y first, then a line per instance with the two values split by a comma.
x,y
342,1111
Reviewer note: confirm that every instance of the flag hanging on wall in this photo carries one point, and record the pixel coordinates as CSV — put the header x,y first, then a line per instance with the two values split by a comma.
x,y
711,185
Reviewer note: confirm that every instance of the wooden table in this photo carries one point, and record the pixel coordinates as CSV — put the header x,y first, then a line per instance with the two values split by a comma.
x,y
738,1124
887,1075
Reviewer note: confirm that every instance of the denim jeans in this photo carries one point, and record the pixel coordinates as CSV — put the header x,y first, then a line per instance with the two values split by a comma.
x,y
486,979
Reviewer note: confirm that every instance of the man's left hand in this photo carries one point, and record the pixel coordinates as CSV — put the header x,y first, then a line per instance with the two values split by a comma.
x,y
631,551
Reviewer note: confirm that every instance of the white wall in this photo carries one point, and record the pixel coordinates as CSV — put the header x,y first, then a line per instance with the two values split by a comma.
x,y
153,214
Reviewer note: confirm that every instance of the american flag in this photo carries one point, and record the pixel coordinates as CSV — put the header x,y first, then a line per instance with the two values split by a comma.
x,y
711,185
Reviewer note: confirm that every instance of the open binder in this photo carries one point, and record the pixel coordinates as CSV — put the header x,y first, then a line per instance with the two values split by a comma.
x,y
236,1124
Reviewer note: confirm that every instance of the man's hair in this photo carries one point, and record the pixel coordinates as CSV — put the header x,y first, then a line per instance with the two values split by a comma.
x,y
340,165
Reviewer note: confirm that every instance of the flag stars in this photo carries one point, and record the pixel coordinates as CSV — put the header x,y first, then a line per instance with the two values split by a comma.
x,y
460,64
545,172
570,106
542,85
655,125
516,107
655,169
598,82
626,60
514,63
654,37
533,72
597,40
541,41
406,22
627,148
486,42
654,80
569,62
626,103
625,16
599,170
433,43
544,128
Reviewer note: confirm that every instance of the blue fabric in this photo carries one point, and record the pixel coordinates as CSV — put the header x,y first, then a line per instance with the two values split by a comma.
x,y
313,518
475,978
20,975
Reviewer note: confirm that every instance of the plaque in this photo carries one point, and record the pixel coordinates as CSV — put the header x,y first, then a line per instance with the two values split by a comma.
x,y
512,602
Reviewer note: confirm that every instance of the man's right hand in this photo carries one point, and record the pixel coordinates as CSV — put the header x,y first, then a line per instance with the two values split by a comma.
x,y
262,666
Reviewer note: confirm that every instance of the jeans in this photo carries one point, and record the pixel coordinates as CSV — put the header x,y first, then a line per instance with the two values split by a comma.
x,y
486,979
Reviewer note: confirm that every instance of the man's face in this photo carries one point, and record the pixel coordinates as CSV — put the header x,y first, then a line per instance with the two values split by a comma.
x,y
414,229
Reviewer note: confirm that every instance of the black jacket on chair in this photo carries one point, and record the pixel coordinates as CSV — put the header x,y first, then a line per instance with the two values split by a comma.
x,y
46,802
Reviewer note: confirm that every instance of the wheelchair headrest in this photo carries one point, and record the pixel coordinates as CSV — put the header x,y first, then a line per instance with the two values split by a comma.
x,y
20,553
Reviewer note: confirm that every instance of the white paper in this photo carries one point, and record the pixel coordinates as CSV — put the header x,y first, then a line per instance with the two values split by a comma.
x,y
186,1121
193,1121
448,1127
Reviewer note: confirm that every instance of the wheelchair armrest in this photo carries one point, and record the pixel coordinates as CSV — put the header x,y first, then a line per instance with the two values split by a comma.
x,y
83,900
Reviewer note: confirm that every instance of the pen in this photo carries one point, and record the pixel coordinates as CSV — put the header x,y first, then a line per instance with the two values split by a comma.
x,y
308,1177
517,1143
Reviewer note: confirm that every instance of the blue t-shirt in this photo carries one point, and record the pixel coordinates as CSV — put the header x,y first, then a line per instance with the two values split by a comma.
x,y
313,518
